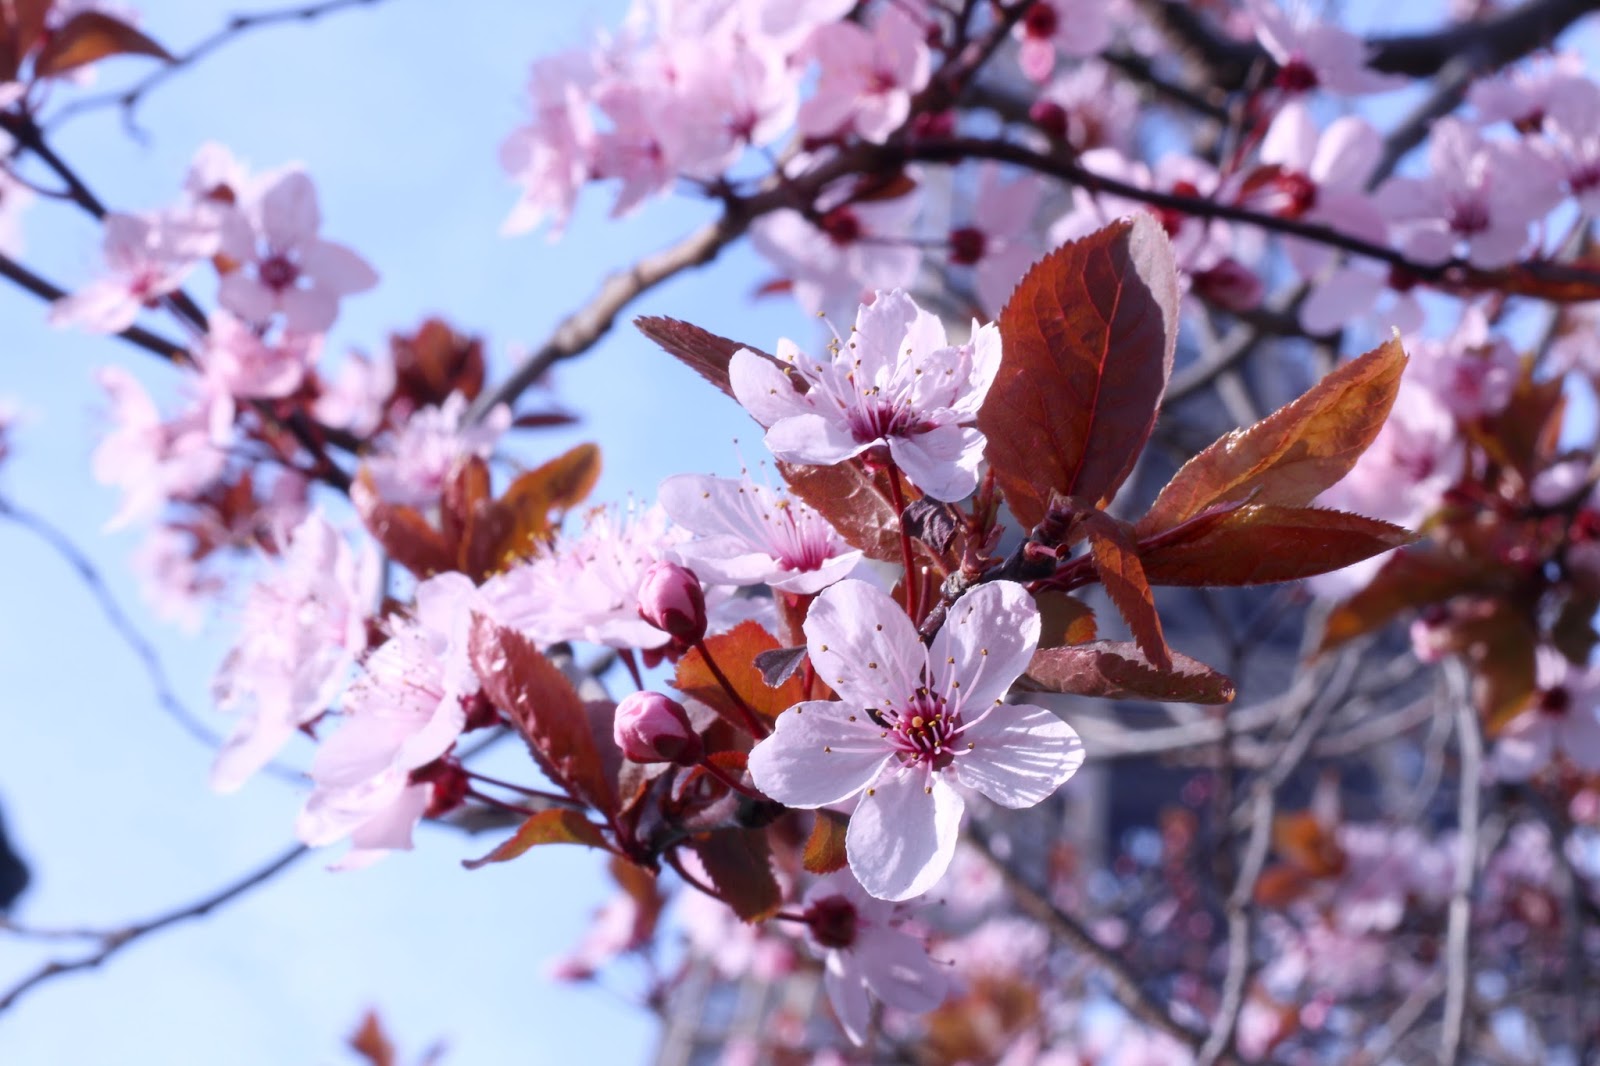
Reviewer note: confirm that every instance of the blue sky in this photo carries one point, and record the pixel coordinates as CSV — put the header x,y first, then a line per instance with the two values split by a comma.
x,y
397,113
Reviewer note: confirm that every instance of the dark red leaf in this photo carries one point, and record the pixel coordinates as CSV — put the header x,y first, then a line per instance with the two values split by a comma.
x,y
1410,579
856,502
88,37
1064,620
558,825
825,847
779,664
1257,545
735,653
739,864
1116,561
406,536
1293,454
371,1043
1117,670
700,350
1089,336
547,710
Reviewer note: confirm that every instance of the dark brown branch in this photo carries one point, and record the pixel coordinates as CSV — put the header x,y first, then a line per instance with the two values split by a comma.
x,y
1492,42
115,940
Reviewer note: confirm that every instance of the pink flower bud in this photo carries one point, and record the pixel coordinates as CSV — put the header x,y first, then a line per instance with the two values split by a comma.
x,y
670,598
650,727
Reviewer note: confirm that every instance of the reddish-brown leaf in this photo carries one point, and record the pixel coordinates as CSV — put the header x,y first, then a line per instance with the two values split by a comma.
x,y
1256,545
464,502
739,864
1118,670
1303,841
825,848
1526,435
700,350
547,710
436,361
856,502
556,486
406,536
1064,619
88,37
1410,578
1280,885
21,25
372,1043
1293,454
642,887
735,653
558,825
1089,336
1116,561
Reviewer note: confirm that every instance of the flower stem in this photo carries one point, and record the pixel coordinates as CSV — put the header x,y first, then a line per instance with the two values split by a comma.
x,y
751,721
899,498
551,797
728,779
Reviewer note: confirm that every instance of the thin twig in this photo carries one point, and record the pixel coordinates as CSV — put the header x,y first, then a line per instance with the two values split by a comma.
x,y
1125,985
126,630
129,98
115,940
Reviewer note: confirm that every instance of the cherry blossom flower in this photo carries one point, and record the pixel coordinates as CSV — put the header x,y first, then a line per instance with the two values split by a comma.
x,y
1480,195
1198,244
151,460
552,157
896,381
853,249
1564,719
1571,141
1473,373
14,200
1088,107
868,75
411,463
751,535
1312,54
354,397
147,256
405,710
1060,27
302,627
913,722
587,587
1522,94
866,955
236,363
285,267
1323,179
999,243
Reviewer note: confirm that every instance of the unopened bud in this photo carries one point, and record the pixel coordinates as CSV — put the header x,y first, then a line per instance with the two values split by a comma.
x,y
650,727
670,598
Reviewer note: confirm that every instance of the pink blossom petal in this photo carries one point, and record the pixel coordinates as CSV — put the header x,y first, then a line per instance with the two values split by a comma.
x,y
863,646
811,438
247,297
943,462
903,834
796,767
764,389
898,970
337,268
288,210
846,986
309,310
987,640
1020,755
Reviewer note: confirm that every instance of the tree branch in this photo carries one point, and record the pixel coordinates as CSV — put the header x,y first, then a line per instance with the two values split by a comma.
x,y
117,939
